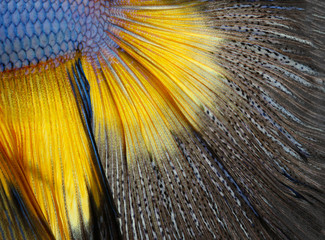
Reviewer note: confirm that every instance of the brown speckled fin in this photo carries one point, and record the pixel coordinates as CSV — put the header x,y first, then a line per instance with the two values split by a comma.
x,y
209,118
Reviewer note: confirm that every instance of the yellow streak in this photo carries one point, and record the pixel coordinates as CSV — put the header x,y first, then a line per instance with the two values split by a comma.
x,y
157,82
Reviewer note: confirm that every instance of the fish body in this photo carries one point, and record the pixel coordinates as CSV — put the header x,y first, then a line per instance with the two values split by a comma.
x,y
38,31
162,119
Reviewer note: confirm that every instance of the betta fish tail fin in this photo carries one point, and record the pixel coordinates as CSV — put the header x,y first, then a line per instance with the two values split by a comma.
x,y
49,163
21,216
208,118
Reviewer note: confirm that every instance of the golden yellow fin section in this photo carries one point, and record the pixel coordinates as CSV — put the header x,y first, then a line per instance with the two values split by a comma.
x,y
53,149
156,79
21,216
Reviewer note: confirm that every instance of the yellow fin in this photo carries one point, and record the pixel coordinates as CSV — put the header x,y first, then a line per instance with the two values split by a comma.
x,y
156,79
21,216
55,151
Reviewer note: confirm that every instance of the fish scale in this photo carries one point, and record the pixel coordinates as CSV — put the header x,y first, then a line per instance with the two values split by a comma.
x,y
38,31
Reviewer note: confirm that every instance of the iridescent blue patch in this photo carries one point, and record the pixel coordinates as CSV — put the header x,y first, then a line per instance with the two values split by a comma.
x,y
36,31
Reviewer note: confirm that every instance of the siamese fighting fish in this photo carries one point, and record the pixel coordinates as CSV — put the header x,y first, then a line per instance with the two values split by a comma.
x,y
162,119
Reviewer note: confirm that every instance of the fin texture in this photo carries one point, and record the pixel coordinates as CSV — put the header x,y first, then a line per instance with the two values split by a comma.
x,y
50,167
197,119
208,117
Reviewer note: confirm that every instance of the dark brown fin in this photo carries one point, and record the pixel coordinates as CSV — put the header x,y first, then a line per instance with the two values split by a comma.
x,y
209,118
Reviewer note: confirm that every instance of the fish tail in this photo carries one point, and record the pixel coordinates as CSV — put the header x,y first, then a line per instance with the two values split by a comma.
x,y
208,118
57,158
